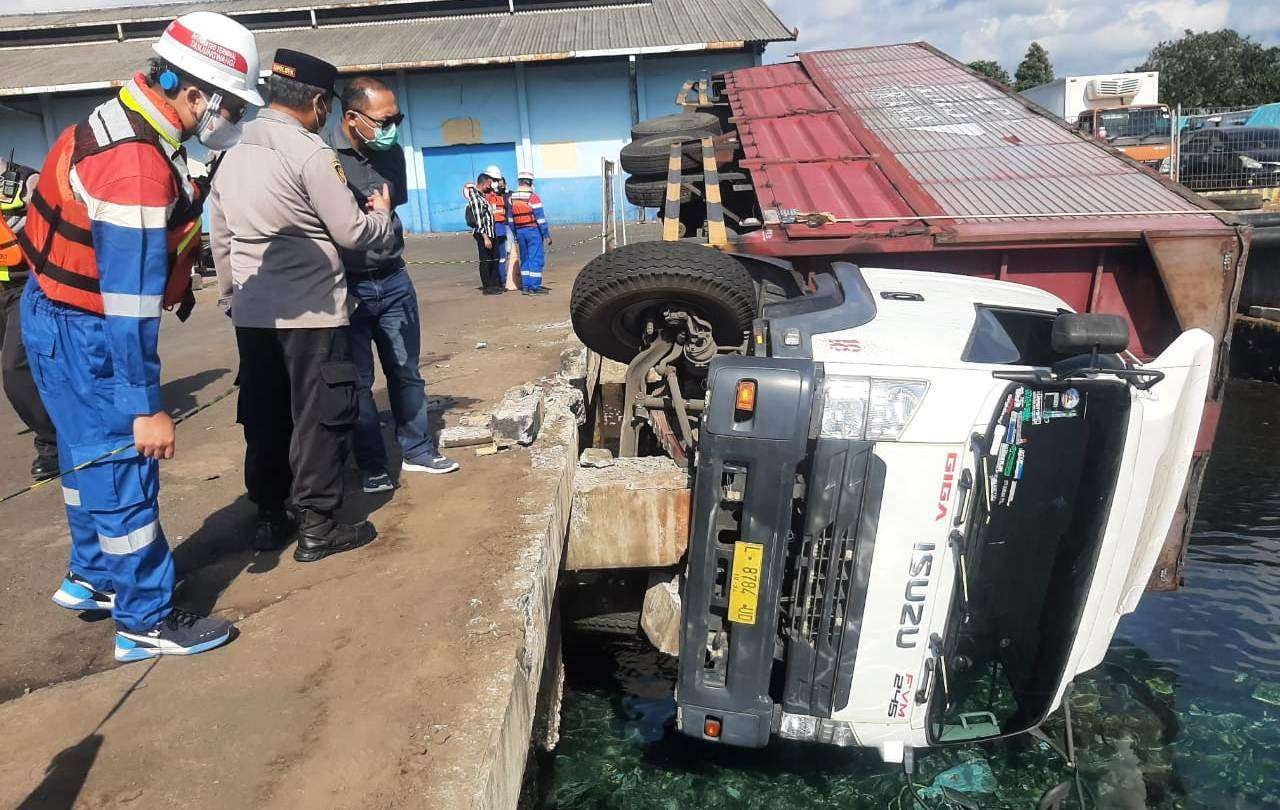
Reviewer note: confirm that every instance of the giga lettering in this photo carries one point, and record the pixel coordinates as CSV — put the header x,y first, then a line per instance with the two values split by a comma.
x,y
948,478
916,592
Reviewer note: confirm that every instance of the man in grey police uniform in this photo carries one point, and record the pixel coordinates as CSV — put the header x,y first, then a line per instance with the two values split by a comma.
x,y
279,213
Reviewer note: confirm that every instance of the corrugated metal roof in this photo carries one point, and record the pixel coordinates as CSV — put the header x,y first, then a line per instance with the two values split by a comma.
x,y
651,27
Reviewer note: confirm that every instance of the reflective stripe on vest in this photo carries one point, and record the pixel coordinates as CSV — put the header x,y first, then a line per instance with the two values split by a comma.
x,y
58,238
522,215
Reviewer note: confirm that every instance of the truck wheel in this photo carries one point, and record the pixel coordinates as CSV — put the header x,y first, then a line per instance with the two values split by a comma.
x,y
647,192
626,623
650,155
619,291
691,124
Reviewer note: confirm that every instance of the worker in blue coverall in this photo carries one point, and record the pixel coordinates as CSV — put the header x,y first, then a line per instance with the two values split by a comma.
x,y
112,231
530,224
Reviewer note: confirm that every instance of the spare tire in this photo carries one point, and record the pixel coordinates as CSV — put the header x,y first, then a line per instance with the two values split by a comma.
x,y
651,155
694,124
647,192
618,291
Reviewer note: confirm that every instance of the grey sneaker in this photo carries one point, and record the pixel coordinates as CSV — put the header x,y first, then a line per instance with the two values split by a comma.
x,y
435,464
373,483
179,633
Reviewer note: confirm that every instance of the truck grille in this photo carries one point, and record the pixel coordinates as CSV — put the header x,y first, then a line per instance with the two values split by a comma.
x,y
822,616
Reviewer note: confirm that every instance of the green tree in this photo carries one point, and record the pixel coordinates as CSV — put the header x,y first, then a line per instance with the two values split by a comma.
x,y
1215,69
1035,69
991,69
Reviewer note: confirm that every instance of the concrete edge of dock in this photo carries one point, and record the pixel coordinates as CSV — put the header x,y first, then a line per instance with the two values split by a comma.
x,y
529,684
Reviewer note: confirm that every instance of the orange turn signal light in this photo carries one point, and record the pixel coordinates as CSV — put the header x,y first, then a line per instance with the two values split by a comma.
x,y
746,400
711,728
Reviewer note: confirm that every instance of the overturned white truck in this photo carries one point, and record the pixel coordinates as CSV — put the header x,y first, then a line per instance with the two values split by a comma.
x,y
923,495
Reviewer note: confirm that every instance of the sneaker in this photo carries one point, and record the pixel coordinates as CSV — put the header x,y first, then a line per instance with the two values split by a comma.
x,y
540,291
76,593
322,536
435,464
274,529
373,483
523,291
179,633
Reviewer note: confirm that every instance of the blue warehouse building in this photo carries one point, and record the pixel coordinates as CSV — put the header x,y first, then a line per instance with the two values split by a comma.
x,y
549,86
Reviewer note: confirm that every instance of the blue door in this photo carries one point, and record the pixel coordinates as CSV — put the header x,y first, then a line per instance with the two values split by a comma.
x,y
449,168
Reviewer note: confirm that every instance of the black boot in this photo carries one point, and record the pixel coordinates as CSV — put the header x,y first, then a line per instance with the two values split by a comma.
x,y
321,536
275,528
45,466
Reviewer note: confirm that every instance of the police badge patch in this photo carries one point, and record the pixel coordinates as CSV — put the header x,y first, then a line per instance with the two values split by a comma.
x,y
337,167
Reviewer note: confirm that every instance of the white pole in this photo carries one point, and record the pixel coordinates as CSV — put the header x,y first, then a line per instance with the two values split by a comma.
x,y
622,207
604,204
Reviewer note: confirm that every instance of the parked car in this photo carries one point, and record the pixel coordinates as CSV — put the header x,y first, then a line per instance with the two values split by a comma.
x,y
1230,157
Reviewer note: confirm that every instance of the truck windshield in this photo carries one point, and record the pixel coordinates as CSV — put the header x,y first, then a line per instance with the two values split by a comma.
x,y
1137,123
1011,337
1044,475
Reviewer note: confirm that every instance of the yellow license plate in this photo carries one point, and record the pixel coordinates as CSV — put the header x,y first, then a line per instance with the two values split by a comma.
x,y
744,587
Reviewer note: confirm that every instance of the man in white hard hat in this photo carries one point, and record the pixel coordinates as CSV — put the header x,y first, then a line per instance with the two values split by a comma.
x,y
529,223
110,238
483,227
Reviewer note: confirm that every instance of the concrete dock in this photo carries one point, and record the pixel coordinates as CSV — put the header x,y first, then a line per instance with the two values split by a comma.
x,y
405,674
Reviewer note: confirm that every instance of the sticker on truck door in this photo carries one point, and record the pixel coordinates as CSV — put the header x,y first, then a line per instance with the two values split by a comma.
x,y
744,587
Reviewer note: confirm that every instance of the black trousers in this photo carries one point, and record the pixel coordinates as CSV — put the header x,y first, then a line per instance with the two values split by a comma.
x,y
298,407
489,263
19,387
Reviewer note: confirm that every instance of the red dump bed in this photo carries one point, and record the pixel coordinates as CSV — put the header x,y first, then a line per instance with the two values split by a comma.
x,y
907,159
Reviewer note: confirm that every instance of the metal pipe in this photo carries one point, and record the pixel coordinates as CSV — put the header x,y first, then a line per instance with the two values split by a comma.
x,y
691,405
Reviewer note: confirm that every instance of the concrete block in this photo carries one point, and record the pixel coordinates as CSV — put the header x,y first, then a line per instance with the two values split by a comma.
x,y
611,371
573,363
487,450
595,457
476,420
660,616
632,514
519,419
465,436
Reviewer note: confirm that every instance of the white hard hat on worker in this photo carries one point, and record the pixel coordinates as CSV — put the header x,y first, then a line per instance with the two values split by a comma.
x,y
222,53
493,171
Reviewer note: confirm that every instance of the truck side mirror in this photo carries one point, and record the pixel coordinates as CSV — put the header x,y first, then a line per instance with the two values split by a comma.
x,y
1083,333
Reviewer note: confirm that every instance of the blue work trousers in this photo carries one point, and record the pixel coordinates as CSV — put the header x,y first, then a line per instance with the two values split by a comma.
x,y
113,507
532,257
386,316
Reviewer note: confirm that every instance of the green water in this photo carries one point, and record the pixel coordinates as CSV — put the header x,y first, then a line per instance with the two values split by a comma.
x,y
1183,713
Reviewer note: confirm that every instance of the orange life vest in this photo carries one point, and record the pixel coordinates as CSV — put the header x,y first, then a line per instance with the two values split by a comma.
x,y
522,215
58,241
10,252
499,205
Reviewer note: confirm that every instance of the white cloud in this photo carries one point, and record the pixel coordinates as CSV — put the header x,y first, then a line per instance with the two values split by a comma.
x,y
1082,36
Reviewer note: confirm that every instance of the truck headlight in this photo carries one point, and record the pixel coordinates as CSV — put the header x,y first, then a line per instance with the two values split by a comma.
x,y
867,408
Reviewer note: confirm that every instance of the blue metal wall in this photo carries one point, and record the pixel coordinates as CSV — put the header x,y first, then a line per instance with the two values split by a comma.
x,y
562,118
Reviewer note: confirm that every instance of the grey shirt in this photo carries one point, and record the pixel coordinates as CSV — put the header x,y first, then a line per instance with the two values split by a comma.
x,y
279,211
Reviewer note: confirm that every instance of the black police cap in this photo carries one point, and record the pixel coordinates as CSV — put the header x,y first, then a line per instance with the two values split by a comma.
x,y
305,68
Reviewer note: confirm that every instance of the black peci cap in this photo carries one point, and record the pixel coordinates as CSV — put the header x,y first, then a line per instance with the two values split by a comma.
x,y
305,68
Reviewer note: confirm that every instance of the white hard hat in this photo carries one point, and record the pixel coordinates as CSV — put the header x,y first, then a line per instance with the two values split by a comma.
x,y
493,171
215,49
525,175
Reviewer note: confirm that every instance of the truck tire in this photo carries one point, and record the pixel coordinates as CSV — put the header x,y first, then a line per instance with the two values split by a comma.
x,y
626,623
648,192
649,156
691,124
617,291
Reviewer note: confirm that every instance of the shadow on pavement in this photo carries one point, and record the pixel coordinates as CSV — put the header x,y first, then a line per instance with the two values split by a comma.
x,y
179,395
69,768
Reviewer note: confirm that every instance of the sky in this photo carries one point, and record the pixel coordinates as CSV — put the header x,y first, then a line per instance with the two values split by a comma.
x,y
1082,36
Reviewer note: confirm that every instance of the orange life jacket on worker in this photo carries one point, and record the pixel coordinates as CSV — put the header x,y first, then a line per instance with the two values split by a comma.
x,y
499,205
58,240
10,252
522,209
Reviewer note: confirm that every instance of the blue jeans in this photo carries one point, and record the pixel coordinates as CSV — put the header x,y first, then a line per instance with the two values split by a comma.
x,y
386,315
